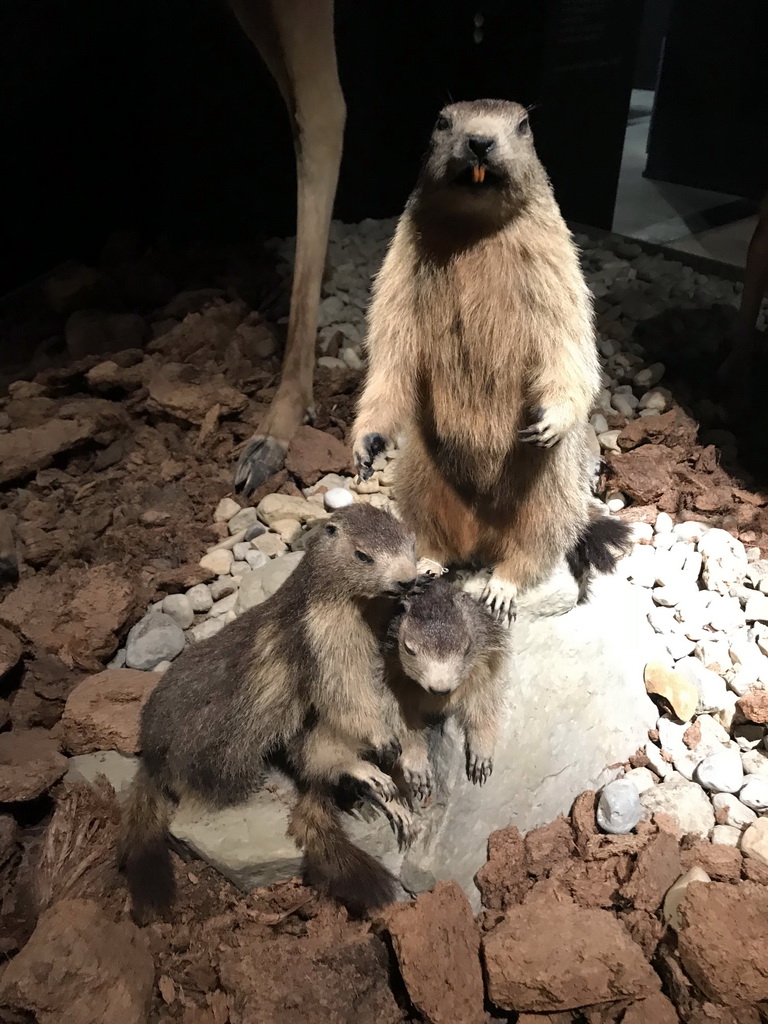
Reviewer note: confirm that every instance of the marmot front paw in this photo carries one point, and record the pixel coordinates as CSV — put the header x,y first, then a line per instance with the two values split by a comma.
x,y
547,428
479,768
386,755
365,451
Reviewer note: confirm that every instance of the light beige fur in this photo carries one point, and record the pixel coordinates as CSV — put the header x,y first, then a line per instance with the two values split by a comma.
x,y
481,315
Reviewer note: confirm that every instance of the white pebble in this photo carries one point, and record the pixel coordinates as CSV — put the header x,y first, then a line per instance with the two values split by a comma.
x,y
756,609
179,608
225,510
608,440
726,835
721,772
616,501
162,667
199,597
240,550
206,629
222,587
244,519
218,561
690,531
599,423
732,811
623,406
663,523
755,793
643,778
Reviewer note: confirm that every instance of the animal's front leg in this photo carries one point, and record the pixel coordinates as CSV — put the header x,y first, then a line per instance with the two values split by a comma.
x,y
415,766
500,596
548,426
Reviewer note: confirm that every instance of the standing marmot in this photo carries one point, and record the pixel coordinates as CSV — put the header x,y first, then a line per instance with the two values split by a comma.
x,y
482,354
309,658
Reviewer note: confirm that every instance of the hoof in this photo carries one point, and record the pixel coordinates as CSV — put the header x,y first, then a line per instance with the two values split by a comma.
x,y
261,459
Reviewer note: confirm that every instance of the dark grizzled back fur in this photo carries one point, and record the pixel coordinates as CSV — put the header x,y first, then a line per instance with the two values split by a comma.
x,y
448,619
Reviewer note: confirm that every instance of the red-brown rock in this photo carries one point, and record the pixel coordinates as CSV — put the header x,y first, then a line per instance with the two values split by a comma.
x,y
503,880
722,863
754,706
656,1009
24,451
548,956
645,474
314,453
437,945
342,983
548,846
81,968
102,712
30,763
187,394
673,429
658,865
723,941
10,650
85,611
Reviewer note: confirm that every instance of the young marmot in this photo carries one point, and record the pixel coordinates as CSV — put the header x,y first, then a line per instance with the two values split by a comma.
x,y
308,655
482,355
445,657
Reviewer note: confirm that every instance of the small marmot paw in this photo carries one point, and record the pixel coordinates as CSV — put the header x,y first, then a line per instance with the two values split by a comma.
x,y
401,821
387,755
479,769
499,599
430,568
545,431
366,450
419,782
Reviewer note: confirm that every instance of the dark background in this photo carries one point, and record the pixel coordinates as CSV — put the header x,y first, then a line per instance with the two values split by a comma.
x,y
159,115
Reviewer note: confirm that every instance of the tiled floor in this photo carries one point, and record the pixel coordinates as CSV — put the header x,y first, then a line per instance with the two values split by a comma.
x,y
689,219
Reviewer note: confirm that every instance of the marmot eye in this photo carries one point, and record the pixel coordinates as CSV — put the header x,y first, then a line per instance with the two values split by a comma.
x,y
523,126
442,124
361,556
408,649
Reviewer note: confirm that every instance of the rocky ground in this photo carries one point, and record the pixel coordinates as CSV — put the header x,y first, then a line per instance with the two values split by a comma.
x,y
116,452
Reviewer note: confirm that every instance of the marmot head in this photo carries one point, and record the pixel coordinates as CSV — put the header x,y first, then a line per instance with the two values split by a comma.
x,y
481,157
441,634
369,550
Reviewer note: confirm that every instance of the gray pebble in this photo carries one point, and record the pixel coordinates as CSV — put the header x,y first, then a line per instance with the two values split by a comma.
x,y
153,639
199,597
619,809
179,608
754,794
206,629
244,519
254,531
222,586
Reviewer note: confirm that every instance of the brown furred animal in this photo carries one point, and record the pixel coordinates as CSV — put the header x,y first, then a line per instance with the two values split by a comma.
x,y
482,355
308,656
449,656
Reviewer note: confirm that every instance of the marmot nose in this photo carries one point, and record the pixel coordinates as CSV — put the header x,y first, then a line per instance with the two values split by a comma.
x,y
405,585
481,145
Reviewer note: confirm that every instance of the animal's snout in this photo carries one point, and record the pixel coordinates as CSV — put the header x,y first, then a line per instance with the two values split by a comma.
x,y
440,689
480,145
405,585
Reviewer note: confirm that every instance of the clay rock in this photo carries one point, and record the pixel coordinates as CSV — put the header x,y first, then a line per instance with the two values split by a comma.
x,y
86,610
723,941
10,650
342,984
188,394
503,879
208,331
314,453
644,474
81,968
753,705
546,957
108,375
28,449
656,1009
657,866
672,429
438,930
275,507
102,712
679,692
30,763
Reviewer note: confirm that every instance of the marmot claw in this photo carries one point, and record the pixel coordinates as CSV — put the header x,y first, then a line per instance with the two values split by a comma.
x,y
366,450
387,755
479,769
545,431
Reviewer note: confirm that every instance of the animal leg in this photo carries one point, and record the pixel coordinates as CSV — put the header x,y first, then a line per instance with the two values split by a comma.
x,y
296,41
415,766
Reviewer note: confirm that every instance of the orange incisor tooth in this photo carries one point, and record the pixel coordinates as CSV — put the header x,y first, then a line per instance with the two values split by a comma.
x,y
478,174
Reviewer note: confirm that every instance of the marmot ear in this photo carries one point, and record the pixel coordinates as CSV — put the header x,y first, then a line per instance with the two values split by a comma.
x,y
331,529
